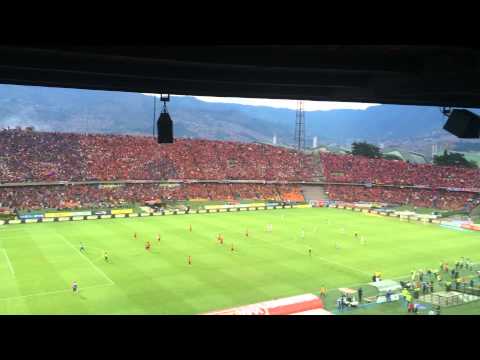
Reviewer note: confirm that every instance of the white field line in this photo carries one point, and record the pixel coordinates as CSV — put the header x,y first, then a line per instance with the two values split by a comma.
x,y
52,292
8,262
342,265
90,262
326,260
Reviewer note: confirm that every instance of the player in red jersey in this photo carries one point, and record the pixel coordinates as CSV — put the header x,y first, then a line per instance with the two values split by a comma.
x,y
148,245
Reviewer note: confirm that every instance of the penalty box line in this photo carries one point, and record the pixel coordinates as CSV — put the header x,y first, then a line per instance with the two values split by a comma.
x,y
325,260
52,292
8,262
342,265
97,269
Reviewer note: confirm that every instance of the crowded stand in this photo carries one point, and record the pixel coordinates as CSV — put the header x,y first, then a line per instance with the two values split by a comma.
x,y
439,199
110,195
29,156
359,169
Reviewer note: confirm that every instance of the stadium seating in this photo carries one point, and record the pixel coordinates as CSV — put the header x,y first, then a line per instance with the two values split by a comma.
x,y
359,169
28,156
39,156
73,196
439,199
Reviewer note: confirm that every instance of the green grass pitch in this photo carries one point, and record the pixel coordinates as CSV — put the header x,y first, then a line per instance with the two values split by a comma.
x,y
38,262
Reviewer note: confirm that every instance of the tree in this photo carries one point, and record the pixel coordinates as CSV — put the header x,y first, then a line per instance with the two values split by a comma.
x,y
366,149
453,159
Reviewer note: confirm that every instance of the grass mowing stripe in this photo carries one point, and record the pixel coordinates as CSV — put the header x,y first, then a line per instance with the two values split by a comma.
x,y
161,282
342,265
8,262
283,245
89,261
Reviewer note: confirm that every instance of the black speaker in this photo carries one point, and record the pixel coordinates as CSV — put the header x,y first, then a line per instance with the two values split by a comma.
x,y
463,124
165,129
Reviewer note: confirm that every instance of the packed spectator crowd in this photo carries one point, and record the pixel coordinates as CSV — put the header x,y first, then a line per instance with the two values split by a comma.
x,y
37,156
439,199
28,156
359,169
99,196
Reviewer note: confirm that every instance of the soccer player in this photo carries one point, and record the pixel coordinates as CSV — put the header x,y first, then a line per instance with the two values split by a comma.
x,y
135,235
74,287
158,237
232,249
105,256
147,246
246,233
356,235
82,247
189,260
323,291
310,251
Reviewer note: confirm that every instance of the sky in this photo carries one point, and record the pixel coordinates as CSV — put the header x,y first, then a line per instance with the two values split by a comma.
x,y
287,104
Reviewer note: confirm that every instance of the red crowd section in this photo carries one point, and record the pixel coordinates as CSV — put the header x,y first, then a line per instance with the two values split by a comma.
x,y
38,156
78,196
27,156
359,169
439,199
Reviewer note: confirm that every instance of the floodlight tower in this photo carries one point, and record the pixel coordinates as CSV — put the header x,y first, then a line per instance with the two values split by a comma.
x,y
299,139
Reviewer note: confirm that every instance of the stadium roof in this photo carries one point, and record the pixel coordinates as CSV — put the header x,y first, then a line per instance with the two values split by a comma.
x,y
411,156
396,74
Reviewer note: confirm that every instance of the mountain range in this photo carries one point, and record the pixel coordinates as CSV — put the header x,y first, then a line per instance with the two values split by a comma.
x,y
88,111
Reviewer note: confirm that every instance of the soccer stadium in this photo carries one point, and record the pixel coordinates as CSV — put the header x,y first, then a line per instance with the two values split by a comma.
x,y
126,224
201,226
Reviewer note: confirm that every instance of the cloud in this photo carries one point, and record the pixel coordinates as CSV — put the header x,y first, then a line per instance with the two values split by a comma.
x,y
286,104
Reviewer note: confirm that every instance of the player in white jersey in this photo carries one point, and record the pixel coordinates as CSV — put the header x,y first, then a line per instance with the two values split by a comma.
x,y
74,287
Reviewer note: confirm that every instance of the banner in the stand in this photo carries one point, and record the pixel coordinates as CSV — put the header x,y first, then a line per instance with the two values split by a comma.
x,y
121,211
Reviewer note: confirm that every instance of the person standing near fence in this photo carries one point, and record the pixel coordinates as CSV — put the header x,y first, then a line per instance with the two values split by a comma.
x,y
360,294
389,295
